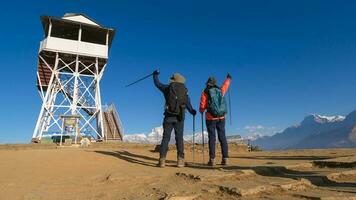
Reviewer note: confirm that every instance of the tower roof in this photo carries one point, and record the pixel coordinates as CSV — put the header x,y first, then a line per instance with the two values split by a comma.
x,y
79,19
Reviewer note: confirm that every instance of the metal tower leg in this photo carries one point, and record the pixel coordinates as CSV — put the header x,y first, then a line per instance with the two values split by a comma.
x,y
38,133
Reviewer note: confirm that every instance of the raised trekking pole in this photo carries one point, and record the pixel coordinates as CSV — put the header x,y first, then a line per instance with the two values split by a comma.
x,y
202,134
230,111
193,139
141,79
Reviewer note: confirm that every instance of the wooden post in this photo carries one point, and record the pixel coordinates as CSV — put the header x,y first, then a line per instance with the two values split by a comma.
x,y
107,38
80,33
49,28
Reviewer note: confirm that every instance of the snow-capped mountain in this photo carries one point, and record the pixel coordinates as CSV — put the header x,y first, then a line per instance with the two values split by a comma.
x,y
155,137
252,137
342,134
336,118
315,118
136,138
198,138
311,132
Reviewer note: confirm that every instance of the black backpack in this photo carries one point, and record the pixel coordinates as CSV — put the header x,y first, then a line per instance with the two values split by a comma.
x,y
176,99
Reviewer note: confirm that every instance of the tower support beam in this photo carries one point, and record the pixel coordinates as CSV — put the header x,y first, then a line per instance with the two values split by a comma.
x,y
74,89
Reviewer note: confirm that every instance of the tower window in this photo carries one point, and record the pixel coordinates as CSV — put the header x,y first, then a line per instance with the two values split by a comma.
x,y
65,30
94,35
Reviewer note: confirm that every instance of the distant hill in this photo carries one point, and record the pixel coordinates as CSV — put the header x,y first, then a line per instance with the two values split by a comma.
x,y
315,131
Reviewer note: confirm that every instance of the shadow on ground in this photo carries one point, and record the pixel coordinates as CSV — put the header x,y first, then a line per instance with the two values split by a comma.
x,y
134,158
285,157
270,171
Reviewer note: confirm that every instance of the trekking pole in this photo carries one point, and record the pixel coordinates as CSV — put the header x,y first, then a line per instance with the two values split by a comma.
x,y
193,139
202,133
230,111
141,79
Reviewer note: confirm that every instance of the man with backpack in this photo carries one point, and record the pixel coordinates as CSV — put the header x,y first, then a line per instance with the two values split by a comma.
x,y
212,100
177,100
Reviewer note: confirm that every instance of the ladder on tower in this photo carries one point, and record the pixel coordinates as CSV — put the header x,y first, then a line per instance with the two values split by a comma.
x,y
82,102
112,124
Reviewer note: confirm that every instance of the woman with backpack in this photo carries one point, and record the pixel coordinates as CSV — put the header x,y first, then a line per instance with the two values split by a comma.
x,y
177,100
212,100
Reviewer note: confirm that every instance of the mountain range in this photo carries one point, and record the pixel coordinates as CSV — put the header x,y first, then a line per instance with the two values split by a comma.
x,y
155,137
315,131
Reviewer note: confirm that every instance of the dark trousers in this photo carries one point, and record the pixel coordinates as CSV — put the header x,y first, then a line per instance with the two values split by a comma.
x,y
170,123
218,126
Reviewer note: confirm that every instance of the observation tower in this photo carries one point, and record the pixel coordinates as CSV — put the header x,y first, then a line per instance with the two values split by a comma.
x,y
71,62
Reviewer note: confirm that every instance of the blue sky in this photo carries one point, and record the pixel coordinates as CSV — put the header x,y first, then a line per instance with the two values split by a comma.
x,y
287,58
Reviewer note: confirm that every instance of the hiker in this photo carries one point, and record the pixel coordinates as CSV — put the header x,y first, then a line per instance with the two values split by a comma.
x,y
177,100
212,100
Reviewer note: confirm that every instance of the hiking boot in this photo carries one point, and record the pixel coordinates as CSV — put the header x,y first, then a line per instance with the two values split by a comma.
x,y
162,162
224,161
211,162
180,162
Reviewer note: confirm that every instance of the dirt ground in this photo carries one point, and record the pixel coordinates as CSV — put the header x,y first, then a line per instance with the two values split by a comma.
x,y
128,171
